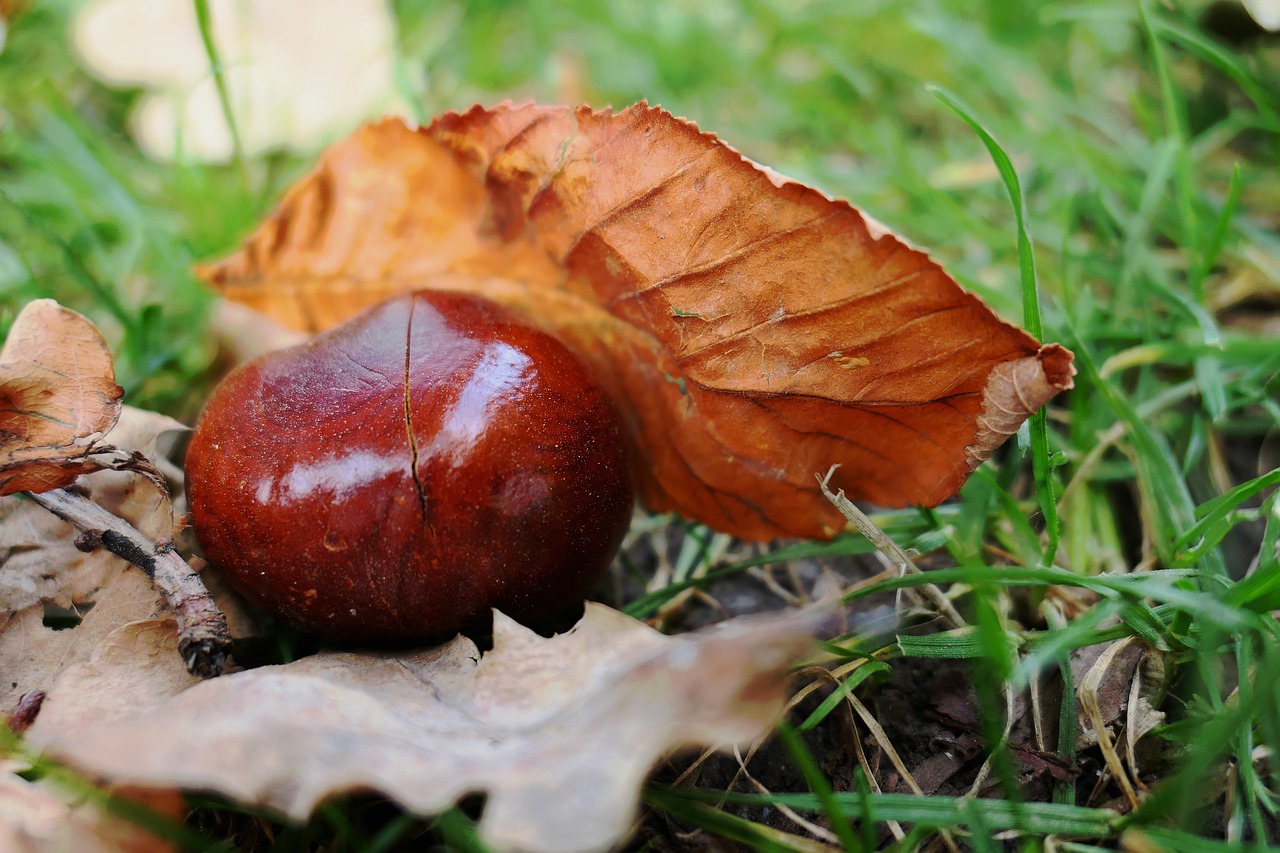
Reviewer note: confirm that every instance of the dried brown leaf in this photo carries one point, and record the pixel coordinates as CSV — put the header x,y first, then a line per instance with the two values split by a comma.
x,y
58,397
133,667
39,562
1109,683
756,331
559,732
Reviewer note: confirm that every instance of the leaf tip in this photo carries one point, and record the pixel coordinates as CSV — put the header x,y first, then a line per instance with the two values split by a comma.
x,y
1015,390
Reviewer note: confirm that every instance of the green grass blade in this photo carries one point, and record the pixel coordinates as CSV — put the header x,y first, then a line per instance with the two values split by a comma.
x,y
939,811
1207,370
730,826
1226,61
460,832
1064,790
1215,517
1260,590
1039,425
204,19
955,645
842,690
1167,838
818,784
1218,237
1175,120
1164,489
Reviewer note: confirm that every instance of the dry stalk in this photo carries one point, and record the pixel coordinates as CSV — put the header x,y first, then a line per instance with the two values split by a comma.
x,y
985,770
821,833
887,547
1089,687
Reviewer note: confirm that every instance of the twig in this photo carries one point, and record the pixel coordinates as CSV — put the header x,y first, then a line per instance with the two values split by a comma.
x,y
887,546
204,640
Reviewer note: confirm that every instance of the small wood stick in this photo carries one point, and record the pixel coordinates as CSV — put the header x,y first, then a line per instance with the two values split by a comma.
x,y
887,546
204,640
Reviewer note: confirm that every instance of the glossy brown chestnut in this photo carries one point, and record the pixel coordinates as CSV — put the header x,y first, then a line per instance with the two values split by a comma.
x,y
398,476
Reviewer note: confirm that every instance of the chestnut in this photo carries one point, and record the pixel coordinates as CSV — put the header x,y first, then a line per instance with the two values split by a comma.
x,y
396,477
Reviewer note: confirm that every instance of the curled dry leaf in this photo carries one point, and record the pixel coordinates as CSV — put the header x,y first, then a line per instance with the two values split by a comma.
x,y
58,397
755,331
559,732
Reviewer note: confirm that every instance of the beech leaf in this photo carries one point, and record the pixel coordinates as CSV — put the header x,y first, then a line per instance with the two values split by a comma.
x,y
755,331
58,397
560,732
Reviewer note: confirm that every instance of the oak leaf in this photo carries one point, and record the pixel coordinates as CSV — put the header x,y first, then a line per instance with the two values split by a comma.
x,y
755,331
42,565
559,732
58,397
132,667
33,656
37,550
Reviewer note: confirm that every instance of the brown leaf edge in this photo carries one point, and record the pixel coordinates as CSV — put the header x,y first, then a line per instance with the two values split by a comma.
x,y
1015,391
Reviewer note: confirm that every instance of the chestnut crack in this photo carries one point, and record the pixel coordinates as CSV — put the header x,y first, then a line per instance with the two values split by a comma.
x,y
408,423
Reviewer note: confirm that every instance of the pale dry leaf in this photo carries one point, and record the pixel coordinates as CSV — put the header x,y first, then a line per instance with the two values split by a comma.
x,y
296,71
243,333
58,398
1110,672
36,818
133,667
135,498
1110,694
38,558
559,732
1265,12
32,656
39,562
